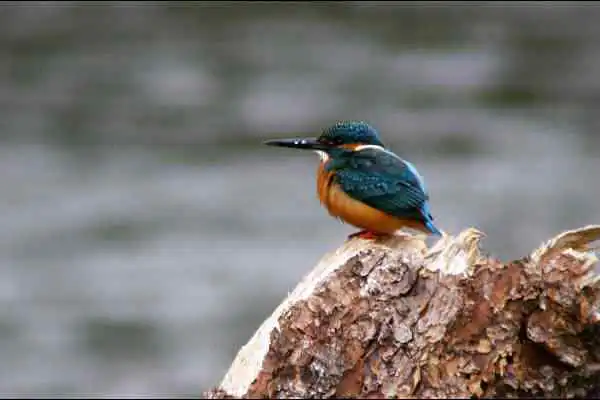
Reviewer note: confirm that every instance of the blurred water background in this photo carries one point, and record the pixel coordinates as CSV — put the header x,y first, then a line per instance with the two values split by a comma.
x,y
145,232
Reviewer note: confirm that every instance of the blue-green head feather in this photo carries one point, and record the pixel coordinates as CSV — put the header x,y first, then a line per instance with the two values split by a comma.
x,y
350,132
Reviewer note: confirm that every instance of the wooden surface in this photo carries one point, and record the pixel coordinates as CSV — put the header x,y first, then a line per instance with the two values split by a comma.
x,y
395,318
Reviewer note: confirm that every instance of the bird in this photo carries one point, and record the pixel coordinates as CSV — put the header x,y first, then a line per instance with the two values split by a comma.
x,y
363,183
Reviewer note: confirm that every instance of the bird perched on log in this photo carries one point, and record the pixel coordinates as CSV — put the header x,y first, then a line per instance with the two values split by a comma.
x,y
364,184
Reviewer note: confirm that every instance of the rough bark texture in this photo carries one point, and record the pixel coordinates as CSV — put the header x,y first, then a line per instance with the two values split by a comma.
x,y
396,319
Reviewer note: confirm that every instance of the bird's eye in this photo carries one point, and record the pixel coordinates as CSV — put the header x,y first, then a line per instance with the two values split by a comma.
x,y
334,141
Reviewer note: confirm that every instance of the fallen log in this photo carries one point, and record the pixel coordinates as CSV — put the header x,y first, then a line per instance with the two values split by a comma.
x,y
397,319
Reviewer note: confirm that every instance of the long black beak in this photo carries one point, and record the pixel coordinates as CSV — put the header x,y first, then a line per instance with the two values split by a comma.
x,y
298,143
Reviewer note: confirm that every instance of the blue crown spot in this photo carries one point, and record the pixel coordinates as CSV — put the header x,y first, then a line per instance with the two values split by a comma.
x,y
351,132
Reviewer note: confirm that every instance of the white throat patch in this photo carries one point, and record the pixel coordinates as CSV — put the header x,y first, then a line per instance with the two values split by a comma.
x,y
322,155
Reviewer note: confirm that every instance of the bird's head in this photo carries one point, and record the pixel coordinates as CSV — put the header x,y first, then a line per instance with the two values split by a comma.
x,y
342,136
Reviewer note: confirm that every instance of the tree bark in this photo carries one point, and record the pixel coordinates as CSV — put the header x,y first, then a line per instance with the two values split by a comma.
x,y
396,319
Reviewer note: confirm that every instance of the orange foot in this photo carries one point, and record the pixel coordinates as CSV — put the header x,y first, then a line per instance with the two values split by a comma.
x,y
367,235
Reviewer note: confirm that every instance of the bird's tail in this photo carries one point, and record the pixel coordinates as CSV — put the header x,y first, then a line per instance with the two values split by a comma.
x,y
429,221
433,229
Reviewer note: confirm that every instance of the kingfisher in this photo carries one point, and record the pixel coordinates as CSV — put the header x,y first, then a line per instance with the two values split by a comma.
x,y
363,183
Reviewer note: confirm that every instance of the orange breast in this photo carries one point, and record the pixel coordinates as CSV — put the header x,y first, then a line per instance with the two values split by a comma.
x,y
354,212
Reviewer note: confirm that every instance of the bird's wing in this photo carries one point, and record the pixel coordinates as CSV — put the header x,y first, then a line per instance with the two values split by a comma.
x,y
384,181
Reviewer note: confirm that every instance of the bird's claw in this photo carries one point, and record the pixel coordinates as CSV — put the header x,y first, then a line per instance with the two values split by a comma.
x,y
366,235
